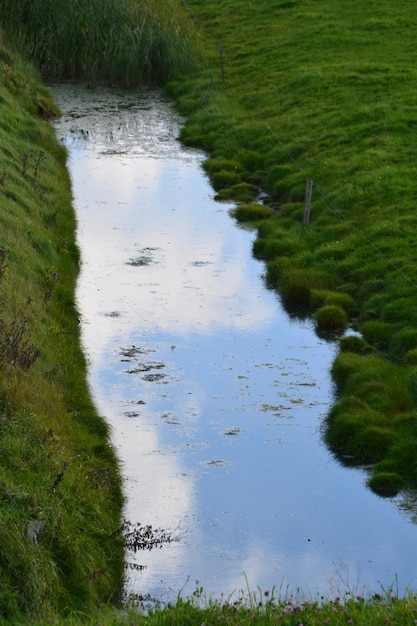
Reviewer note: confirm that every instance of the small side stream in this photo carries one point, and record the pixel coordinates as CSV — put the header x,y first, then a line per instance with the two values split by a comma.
x,y
215,396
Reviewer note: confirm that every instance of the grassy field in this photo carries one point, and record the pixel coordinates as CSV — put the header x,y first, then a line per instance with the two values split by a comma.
x,y
292,91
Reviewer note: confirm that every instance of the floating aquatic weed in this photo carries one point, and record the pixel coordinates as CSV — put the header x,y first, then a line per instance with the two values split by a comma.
x,y
170,418
154,377
232,431
113,152
146,367
139,261
134,351
145,257
216,463
276,409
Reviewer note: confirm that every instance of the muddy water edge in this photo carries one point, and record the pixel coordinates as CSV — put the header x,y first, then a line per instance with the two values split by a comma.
x,y
215,397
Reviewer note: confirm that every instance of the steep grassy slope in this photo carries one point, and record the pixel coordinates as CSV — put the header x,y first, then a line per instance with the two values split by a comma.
x,y
60,495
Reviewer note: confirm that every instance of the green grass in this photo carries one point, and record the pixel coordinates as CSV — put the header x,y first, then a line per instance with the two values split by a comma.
x,y
265,608
312,89
57,548
321,90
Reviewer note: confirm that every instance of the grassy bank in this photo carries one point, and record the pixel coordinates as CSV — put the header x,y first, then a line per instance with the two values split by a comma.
x,y
326,91
60,492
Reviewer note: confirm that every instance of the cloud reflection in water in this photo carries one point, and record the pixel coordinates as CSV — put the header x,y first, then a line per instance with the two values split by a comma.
x,y
167,279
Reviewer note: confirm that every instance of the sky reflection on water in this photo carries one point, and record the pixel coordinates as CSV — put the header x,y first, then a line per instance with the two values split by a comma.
x,y
215,397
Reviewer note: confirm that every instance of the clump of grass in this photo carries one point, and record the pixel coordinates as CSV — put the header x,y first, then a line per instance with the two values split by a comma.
x,y
283,244
377,333
295,289
224,178
15,347
251,212
410,357
238,192
400,311
344,300
386,484
296,285
355,344
331,317
403,343
357,433
347,364
374,419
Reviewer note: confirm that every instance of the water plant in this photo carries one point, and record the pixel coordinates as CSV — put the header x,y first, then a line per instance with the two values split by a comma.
x,y
123,42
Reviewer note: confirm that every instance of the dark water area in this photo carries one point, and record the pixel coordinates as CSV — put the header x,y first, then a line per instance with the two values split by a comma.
x,y
215,397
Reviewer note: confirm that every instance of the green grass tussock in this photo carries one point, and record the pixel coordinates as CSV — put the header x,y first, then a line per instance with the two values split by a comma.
x,y
331,317
57,549
375,419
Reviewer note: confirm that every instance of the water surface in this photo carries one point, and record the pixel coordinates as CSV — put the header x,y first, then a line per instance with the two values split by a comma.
x,y
215,397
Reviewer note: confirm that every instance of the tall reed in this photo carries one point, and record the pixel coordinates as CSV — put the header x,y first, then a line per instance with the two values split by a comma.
x,y
127,42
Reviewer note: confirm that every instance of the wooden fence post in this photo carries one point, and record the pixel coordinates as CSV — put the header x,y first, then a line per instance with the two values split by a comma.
x,y
307,203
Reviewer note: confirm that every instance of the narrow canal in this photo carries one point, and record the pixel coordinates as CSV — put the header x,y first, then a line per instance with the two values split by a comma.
x,y
214,395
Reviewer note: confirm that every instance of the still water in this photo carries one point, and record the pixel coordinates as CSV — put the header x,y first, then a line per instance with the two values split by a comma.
x,y
215,397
